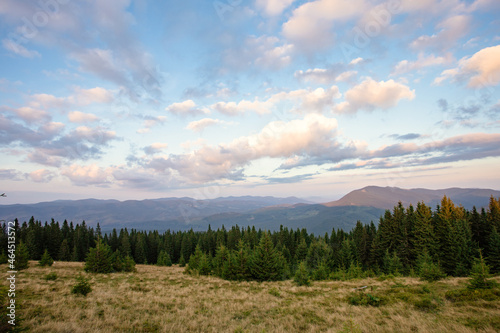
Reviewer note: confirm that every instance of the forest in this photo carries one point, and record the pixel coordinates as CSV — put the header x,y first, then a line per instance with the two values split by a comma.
x,y
446,240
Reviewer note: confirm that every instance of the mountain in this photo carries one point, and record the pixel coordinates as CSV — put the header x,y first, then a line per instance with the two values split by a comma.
x,y
175,213
268,213
387,197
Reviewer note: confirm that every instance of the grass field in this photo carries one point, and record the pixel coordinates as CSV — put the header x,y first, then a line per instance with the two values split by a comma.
x,y
164,299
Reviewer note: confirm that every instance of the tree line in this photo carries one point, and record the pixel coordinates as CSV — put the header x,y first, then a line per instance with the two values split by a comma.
x,y
449,237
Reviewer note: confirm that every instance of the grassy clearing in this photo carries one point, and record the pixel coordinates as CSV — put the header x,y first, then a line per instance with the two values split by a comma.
x,y
164,299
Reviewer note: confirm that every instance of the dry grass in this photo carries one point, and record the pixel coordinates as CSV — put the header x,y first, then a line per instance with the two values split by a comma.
x,y
164,299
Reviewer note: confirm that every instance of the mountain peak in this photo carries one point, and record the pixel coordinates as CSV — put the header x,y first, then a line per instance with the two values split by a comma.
x,y
387,197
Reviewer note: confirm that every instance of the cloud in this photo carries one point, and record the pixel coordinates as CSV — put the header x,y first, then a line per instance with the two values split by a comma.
x,y
32,115
303,101
149,122
451,30
41,176
81,117
310,27
83,143
356,61
403,137
406,66
99,36
19,49
87,175
370,94
319,75
314,136
266,52
155,148
273,7
186,108
11,174
200,125
480,70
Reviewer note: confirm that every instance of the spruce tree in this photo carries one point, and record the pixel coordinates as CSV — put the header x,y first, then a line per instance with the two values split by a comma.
x,y
241,262
99,259
46,259
266,264
493,258
22,256
64,251
301,277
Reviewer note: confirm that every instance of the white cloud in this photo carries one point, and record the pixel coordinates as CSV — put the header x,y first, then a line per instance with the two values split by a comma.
x,y
311,25
317,75
81,117
87,175
303,100
314,135
273,7
32,115
346,76
406,66
481,69
41,176
19,49
200,125
450,30
356,61
266,52
185,108
150,122
155,148
370,94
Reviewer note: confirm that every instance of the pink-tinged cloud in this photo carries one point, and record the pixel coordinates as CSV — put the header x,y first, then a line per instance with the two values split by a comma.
x,y
82,117
480,70
370,95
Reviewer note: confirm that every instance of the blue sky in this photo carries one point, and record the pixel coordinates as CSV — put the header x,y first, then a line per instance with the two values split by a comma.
x,y
140,99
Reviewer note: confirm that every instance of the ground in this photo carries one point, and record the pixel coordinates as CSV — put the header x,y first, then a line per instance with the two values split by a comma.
x,y
164,299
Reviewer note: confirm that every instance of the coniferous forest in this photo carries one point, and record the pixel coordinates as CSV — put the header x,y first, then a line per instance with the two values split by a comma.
x,y
406,241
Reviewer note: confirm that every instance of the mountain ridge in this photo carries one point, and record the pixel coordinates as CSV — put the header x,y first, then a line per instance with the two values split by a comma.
x,y
366,204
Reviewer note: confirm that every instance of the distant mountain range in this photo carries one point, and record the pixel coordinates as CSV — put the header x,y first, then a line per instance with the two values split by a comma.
x,y
366,205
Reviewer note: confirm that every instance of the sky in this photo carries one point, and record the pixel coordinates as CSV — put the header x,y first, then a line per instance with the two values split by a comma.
x,y
146,99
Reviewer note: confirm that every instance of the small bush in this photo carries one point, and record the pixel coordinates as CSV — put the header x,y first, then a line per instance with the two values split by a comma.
x,y
275,292
469,295
350,327
360,298
50,277
428,304
301,277
82,287
46,259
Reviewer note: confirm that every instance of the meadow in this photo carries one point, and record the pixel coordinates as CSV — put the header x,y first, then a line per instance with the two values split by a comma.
x,y
165,299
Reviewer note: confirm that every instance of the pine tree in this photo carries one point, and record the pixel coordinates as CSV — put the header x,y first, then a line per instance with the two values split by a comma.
x,y
46,259
22,256
99,259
